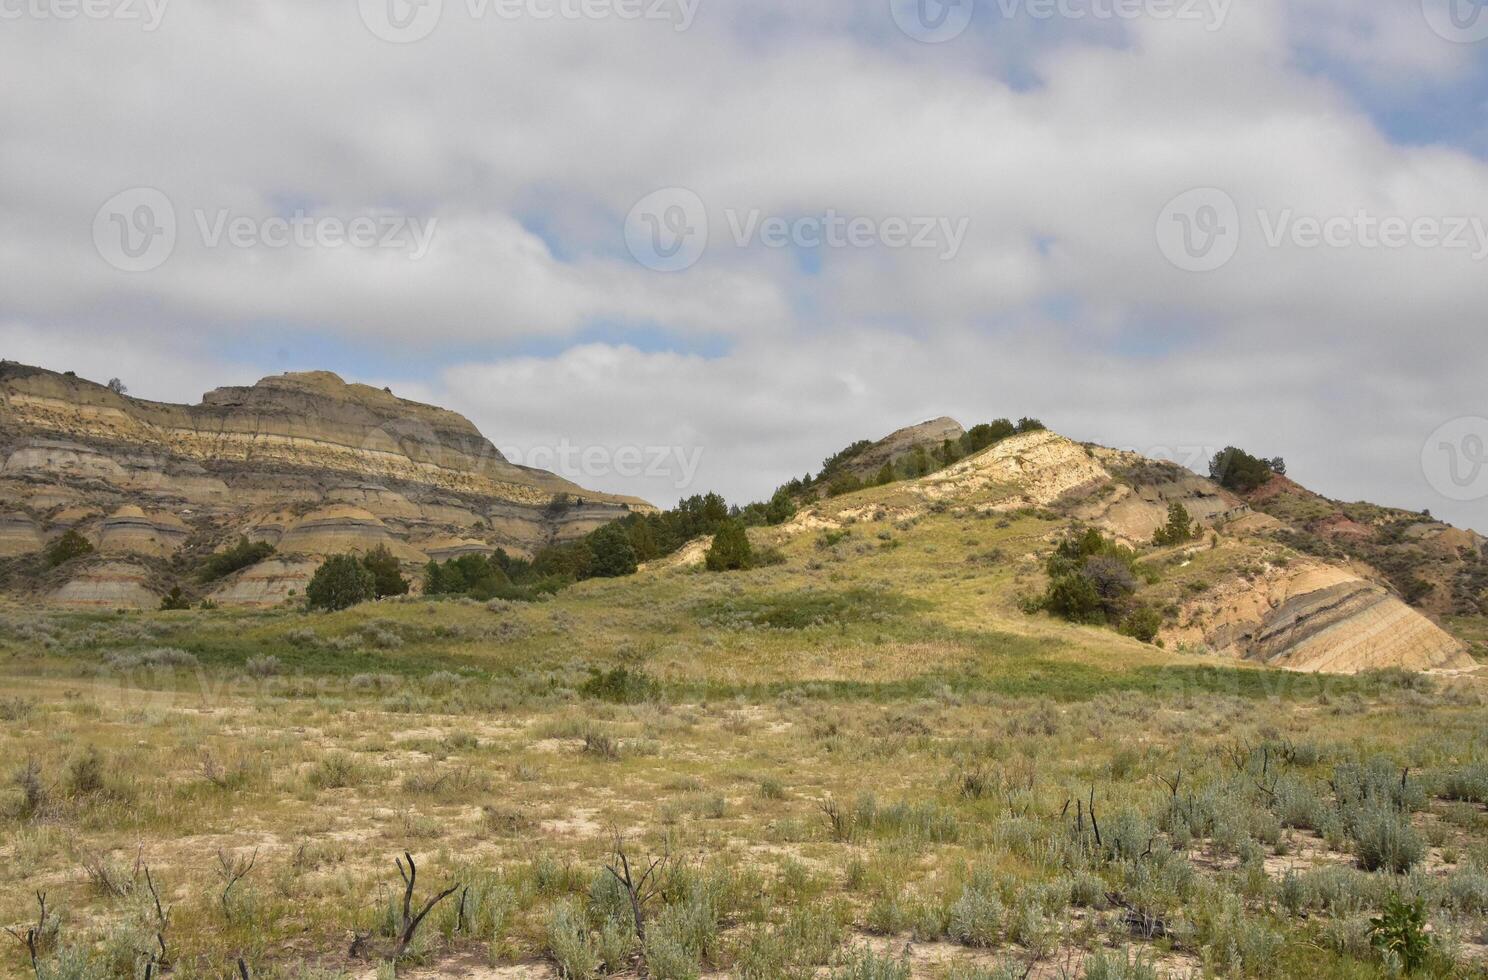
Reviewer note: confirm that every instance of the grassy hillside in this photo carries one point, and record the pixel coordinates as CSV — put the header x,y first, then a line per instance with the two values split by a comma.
x,y
866,761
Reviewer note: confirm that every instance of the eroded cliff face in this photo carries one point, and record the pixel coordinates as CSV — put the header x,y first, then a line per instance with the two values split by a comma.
x,y
306,461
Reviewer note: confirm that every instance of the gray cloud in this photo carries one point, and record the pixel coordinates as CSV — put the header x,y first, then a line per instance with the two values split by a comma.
x,y
528,141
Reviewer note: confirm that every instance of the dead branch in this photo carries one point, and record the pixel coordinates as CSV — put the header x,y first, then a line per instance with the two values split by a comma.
x,y
410,921
103,878
34,936
232,870
640,890
162,922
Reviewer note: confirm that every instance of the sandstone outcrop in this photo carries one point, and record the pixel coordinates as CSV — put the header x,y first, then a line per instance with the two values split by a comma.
x,y
268,583
20,534
305,462
1318,618
109,585
131,531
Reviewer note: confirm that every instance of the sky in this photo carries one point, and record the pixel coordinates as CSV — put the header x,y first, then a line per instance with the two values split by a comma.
x,y
728,237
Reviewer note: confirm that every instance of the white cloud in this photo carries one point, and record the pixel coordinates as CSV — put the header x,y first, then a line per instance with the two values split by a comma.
x,y
529,141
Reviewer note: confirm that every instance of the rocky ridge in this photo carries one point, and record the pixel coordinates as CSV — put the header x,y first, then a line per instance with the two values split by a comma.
x,y
306,462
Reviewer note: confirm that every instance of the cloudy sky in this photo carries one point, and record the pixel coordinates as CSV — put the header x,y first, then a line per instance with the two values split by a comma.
x,y
760,229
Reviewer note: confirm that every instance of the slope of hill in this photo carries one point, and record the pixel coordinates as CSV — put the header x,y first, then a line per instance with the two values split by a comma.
x,y
1434,566
1240,589
865,749
305,462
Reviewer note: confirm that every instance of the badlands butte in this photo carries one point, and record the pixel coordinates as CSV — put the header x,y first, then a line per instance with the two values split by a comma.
x,y
304,462
313,466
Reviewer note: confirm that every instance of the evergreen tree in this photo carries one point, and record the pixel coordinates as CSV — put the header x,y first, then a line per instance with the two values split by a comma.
x,y
730,550
69,546
1236,469
175,600
782,507
614,555
387,577
1180,527
340,582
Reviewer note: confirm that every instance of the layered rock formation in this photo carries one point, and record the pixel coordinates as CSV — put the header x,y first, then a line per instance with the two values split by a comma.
x,y
1318,618
1303,615
307,462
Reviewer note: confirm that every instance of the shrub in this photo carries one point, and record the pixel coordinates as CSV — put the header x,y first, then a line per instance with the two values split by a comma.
x,y
569,943
1142,623
1123,965
678,939
239,556
864,964
341,582
174,600
977,917
27,780
69,546
1469,785
337,771
730,550
265,666
85,772
1386,841
1235,469
158,658
1179,529
620,686
614,555
387,577
1467,891
1399,933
